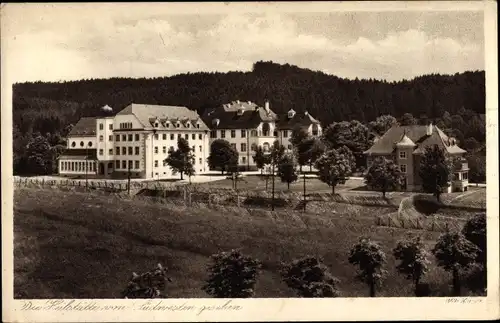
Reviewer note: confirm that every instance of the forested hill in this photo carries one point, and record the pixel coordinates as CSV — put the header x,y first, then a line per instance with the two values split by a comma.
x,y
327,97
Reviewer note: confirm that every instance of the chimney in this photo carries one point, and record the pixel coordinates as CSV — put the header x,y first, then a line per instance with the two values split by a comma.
x,y
267,106
429,129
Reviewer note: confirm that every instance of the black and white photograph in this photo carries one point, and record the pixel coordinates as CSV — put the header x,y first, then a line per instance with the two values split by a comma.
x,y
272,151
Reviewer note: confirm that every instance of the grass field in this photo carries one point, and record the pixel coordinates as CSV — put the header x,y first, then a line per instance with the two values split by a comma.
x,y
76,245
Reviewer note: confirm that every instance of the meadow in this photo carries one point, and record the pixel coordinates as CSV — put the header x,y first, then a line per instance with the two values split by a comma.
x,y
70,244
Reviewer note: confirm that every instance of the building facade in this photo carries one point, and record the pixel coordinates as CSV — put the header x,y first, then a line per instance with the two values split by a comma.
x,y
246,126
135,142
405,145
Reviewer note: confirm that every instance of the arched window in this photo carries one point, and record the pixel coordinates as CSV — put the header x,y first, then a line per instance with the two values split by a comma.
x,y
90,143
266,128
315,129
81,144
73,144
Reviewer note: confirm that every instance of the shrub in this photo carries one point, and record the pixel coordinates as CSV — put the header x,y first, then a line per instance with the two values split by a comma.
x,y
150,284
232,275
413,261
309,277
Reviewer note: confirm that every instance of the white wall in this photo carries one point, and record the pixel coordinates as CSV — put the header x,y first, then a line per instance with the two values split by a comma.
x,y
104,144
81,142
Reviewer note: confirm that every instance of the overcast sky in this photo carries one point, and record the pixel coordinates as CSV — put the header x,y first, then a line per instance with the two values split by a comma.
x,y
55,43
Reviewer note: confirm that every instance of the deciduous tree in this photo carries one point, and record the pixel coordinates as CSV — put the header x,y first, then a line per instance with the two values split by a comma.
x,y
414,262
383,175
334,166
222,156
181,160
287,170
435,171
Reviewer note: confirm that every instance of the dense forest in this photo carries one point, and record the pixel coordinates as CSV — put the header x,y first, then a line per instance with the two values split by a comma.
x,y
454,102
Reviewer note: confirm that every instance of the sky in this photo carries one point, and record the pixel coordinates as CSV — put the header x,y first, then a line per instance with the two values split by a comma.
x,y
68,42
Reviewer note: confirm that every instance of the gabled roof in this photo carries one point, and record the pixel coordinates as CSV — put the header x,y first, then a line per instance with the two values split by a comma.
x,y
418,135
405,142
148,114
238,115
298,120
84,127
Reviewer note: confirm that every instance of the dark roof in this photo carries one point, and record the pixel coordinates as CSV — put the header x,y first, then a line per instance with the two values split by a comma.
x,y
79,153
418,134
238,115
298,120
84,127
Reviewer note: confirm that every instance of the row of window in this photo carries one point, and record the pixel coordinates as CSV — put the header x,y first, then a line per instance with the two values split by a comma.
x,y
77,166
122,164
177,125
253,133
137,137
265,147
193,148
101,126
82,144
156,163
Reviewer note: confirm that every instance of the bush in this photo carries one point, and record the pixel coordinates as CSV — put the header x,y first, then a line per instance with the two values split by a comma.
x,y
309,277
150,284
426,205
232,275
265,201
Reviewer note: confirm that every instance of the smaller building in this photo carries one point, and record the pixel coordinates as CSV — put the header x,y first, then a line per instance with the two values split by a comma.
x,y
405,145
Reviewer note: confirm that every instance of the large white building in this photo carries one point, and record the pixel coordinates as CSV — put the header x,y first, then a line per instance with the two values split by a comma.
x,y
135,141
246,126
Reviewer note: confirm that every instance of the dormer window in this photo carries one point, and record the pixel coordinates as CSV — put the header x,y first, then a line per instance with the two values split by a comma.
x,y
240,111
291,114
178,125
156,124
188,125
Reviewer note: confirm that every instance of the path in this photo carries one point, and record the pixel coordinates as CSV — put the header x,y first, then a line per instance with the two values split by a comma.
x,y
463,195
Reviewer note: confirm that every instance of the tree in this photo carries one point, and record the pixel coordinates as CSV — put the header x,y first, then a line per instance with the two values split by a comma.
x,y
474,230
370,259
261,159
477,168
471,144
382,124
182,159
150,284
435,171
383,175
309,277
335,166
222,156
455,253
316,150
276,154
39,158
232,275
407,120
287,170
299,136
413,260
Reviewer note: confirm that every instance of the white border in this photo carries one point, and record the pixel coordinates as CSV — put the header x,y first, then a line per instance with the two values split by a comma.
x,y
348,309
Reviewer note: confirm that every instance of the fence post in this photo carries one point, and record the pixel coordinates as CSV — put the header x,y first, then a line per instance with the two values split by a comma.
x,y
184,193
190,199
209,200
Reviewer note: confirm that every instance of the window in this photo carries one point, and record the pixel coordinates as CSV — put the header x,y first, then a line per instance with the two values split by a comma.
x,y
289,147
403,168
198,125
201,149
275,133
253,133
164,149
193,136
124,164
124,150
136,164
124,137
172,136
233,145
117,137
156,136
456,176
156,163
110,151
81,144
101,126
402,154
118,151
243,159
223,133
200,136
130,164
200,160
110,138
130,150
213,134
130,137
110,126
465,176
90,143
171,148
73,144
193,149
243,133
285,133
101,138
177,125
186,136
137,138
233,133
101,152
179,136
243,147
136,150
164,136
156,150
254,147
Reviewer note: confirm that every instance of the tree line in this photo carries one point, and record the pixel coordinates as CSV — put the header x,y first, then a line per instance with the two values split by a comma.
x,y
234,275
